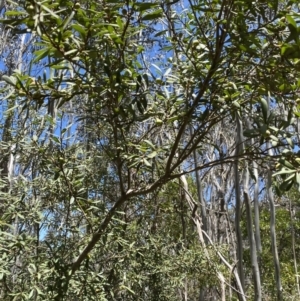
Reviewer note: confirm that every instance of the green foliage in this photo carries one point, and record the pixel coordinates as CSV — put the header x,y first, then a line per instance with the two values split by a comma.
x,y
104,115
284,227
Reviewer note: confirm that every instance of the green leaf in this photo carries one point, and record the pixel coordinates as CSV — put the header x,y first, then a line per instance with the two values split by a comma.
x,y
144,6
149,143
52,13
40,54
286,163
250,133
290,51
277,190
160,33
71,51
82,30
144,102
31,293
147,163
15,13
291,21
286,186
154,15
152,155
56,139
274,138
120,23
9,79
128,289
60,67
140,107
298,180
290,141
138,83
236,104
146,79
264,108
172,119
284,171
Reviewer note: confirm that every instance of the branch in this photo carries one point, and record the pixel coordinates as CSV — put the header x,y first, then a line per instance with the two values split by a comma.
x,y
96,237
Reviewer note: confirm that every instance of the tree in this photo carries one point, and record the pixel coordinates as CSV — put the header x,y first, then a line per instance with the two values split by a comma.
x,y
121,135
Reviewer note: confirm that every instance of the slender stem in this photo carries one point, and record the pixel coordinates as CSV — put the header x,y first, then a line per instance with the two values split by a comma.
x,y
239,245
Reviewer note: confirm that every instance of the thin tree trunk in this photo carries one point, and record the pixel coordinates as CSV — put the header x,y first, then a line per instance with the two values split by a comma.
x,y
273,236
272,222
199,189
203,212
239,244
256,203
293,247
200,195
256,210
253,250
183,224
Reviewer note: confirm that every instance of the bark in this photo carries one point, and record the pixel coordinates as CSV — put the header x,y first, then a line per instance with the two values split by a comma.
x,y
256,210
253,250
201,200
239,245
293,247
272,222
256,202
273,236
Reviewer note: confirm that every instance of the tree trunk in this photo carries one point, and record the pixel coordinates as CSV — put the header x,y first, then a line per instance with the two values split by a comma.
x,y
272,222
239,245
253,250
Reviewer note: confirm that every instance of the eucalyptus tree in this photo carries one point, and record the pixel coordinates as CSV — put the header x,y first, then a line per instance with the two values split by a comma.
x,y
121,100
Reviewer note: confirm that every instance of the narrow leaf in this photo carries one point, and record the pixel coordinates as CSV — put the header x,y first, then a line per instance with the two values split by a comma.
x,y
149,143
9,79
151,16
152,155
264,108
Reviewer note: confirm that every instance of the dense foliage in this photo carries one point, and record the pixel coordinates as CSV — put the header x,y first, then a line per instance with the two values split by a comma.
x,y
147,149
